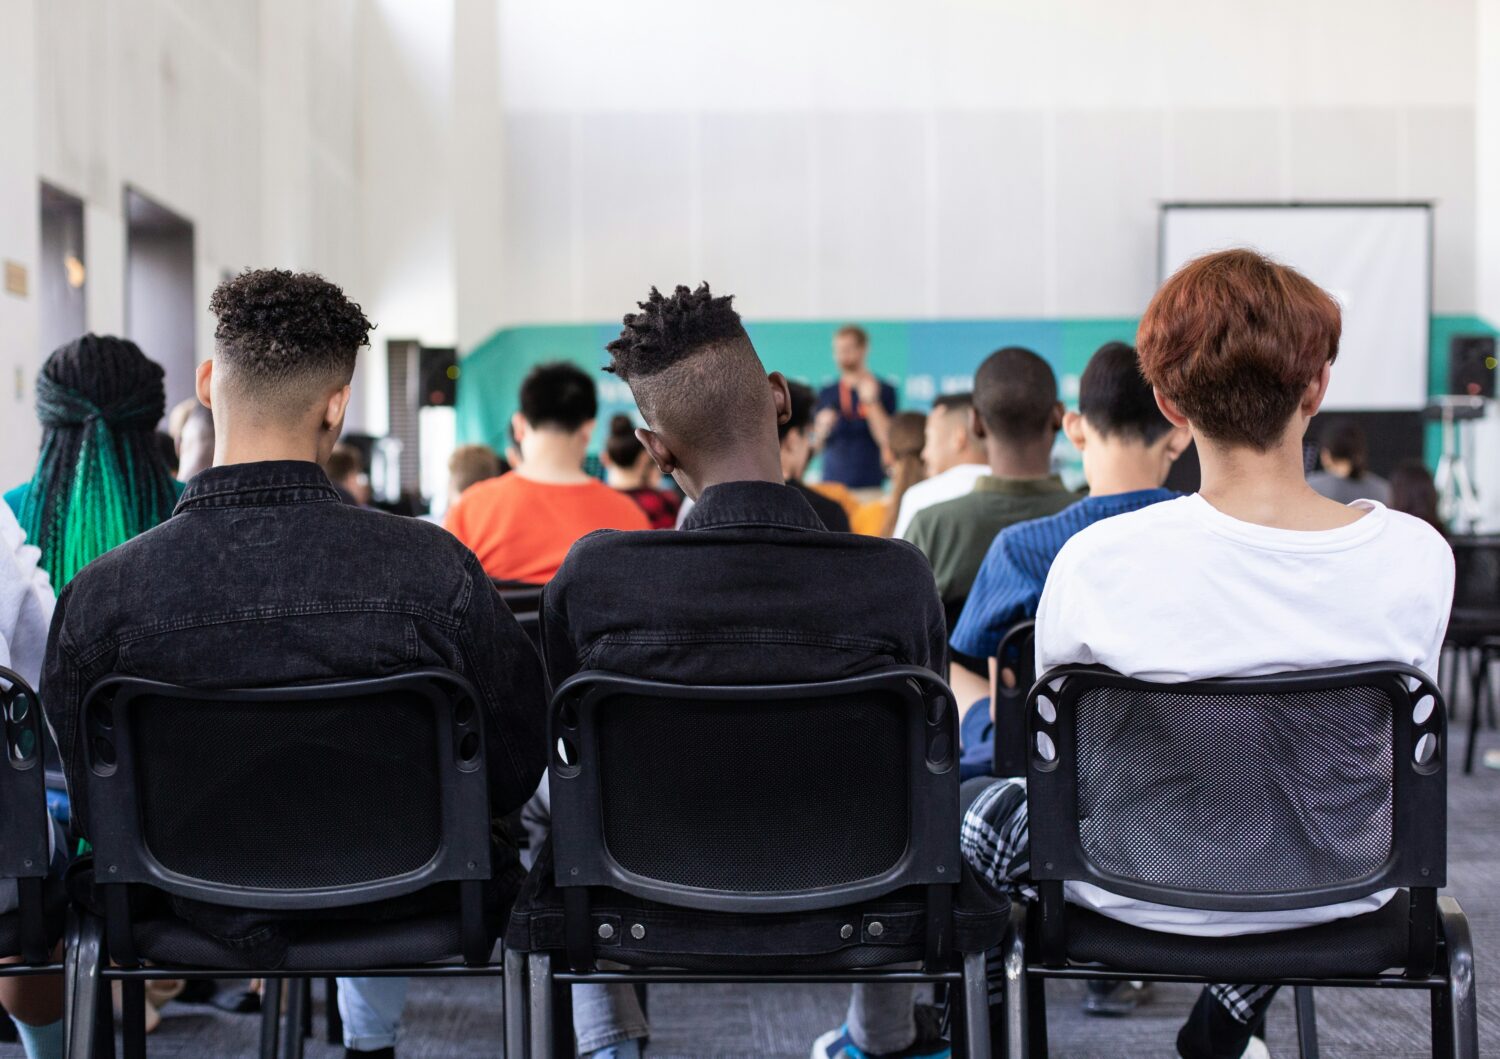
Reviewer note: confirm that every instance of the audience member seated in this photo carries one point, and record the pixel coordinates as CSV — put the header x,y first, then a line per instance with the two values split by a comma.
x,y
522,524
35,1004
796,452
100,478
853,414
192,429
291,567
1016,415
1257,573
628,468
751,590
469,465
902,457
953,455
345,468
1128,447
1344,462
1415,493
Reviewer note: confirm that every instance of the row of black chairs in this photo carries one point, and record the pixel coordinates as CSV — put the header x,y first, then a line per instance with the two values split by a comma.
x,y
749,834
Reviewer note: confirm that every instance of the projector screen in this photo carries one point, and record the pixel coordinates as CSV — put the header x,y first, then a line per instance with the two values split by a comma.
x,y
1376,260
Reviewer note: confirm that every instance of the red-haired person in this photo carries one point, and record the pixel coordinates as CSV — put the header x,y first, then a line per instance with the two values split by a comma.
x,y
1256,573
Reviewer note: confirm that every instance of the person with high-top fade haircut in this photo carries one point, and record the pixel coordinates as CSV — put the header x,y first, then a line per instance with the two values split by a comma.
x,y
752,589
264,576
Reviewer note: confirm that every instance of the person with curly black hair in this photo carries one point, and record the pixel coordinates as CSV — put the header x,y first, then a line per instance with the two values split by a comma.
x,y
258,579
751,590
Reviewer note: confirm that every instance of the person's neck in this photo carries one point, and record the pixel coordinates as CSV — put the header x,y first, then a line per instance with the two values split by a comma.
x,y
739,467
1032,460
967,458
616,478
264,446
552,458
1116,469
1267,488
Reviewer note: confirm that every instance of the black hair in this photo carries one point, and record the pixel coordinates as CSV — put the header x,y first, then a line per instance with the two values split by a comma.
x,y
280,331
668,329
1015,394
954,402
803,399
1344,439
622,446
559,395
1115,397
168,450
1414,492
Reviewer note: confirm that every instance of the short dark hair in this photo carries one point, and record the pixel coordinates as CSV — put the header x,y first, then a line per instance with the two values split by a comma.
x,y
803,401
343,461
954,402
622,446
1015,393
1234,339
281,332
1115,397
560,395
859,334
690,365
1344,439
469,464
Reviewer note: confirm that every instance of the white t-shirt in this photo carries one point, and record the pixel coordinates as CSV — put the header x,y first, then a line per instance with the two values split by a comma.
x,y
1181,591
26,601
949,485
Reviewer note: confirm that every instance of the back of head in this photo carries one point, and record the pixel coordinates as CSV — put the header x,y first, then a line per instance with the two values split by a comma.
x,y
622,447
1234,340
1115,398
470,464
803,401
1344,441
1015,394
1414,492
696,378
558,396
906,436
285,341
100,479
344,463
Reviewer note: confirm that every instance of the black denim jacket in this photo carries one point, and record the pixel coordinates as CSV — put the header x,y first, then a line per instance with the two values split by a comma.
x,y
263,576
752,589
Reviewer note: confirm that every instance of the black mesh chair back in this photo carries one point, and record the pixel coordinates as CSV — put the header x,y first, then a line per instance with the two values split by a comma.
x,y
775,798
1016,655
1254,794
1476,589
23,826
294,798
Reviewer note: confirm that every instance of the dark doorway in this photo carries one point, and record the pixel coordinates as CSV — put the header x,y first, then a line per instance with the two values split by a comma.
x,y
159,300
60,270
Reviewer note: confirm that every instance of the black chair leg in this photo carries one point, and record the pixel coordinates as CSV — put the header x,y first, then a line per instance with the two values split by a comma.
x,y
1036,1018
539,989
976,1006
1307,1022
133,1017
296,1003
1462,1011
1442,1023
1017,1008
335,1031
563,1040
1476,667
104,1023
270,1017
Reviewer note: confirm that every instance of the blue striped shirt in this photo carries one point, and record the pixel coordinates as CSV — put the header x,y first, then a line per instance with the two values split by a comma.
x,y
1009,585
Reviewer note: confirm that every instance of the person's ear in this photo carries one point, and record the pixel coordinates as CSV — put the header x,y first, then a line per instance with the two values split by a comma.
x,y
1170,410
781,397
204,384
1312,397
660,454
1072,426
1059,410
976,424
519,427
333,412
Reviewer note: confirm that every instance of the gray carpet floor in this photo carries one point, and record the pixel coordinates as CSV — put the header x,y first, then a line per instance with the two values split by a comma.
x,y
461,1019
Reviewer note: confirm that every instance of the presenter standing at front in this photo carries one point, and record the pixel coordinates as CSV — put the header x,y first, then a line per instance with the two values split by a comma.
x,y
854,414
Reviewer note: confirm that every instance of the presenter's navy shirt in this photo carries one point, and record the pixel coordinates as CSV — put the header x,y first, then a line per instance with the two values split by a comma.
x,y
851,455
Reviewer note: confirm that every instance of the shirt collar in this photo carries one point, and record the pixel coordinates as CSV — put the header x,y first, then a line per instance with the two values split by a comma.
x,y
256,484
1020,486
751,504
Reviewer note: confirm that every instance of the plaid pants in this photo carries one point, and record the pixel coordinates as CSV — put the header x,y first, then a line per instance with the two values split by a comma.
x,y
997,844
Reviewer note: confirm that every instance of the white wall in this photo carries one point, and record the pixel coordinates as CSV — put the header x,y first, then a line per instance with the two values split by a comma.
x,y
1487,151
19,238
956,158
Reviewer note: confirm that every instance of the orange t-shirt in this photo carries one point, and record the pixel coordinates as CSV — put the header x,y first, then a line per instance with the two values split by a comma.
x,y
521,529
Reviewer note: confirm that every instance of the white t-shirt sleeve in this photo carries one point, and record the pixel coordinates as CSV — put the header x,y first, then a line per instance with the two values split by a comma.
x,y
26,601
1062,615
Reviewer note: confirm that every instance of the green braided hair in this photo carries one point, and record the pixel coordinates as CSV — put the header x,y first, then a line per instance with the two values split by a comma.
x,y
100,479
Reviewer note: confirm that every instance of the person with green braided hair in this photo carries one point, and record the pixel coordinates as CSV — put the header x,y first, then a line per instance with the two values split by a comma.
x,y
100,479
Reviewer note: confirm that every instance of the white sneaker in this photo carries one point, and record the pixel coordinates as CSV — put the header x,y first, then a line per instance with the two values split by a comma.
x,y
1256,1049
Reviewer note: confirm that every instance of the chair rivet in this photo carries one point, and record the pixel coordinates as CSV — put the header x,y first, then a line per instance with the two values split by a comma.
x,y
606,931
113,869
471,865
877,928
637,931
573,871
941,869
846,931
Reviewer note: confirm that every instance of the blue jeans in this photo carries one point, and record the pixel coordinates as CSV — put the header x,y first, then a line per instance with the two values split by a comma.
x,y
371,1010
976,737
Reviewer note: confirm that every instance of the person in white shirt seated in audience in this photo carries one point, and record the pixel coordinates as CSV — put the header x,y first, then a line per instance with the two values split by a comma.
x,y
954,457
26,605
1256,573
